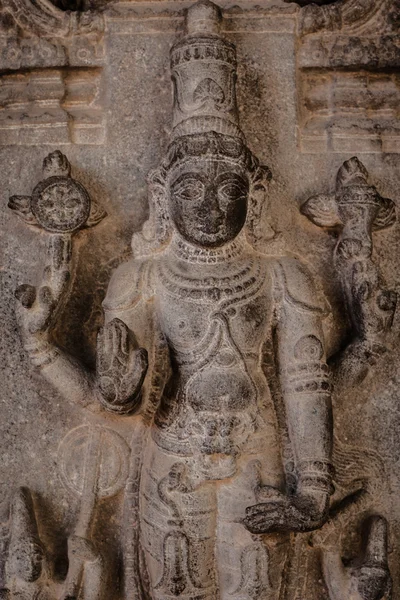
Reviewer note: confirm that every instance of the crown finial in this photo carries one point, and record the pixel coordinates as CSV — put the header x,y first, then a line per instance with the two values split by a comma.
x,y
204,17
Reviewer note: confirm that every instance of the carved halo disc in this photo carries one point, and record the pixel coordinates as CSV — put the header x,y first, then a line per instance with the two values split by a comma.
x,y
60,204
111,456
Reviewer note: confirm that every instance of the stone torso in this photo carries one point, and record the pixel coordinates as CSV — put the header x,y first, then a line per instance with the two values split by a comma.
x,y
215,317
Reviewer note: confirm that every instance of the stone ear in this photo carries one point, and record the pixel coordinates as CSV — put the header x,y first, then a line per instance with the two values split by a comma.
x,y
322,211
386,215
262,178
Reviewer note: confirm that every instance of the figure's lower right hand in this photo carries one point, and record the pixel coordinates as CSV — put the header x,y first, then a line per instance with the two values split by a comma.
x,y
285,514
121,366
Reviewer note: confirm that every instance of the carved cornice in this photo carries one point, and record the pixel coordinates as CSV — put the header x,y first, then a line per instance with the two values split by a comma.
x,y
348,52
43,18
154,17
346,16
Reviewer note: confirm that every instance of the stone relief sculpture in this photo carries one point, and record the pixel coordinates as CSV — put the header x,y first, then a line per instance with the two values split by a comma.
x,y
214,353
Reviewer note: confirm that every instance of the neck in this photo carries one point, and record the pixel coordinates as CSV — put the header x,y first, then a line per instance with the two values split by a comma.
x,y
197,254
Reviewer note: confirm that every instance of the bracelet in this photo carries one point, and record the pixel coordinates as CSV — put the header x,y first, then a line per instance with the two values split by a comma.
x,y
308,378
316,475
41,352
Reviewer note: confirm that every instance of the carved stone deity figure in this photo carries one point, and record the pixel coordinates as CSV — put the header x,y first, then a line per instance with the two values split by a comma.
x,y
215,352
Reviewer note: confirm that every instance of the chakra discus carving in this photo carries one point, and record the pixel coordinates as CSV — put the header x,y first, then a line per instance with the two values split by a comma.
x,y
58,204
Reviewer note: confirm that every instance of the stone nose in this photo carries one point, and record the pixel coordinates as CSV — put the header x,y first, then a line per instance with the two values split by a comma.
x,y
210,207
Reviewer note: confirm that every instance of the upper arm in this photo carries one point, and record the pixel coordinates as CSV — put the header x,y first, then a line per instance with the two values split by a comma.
x,y
301,310
127,286
129,297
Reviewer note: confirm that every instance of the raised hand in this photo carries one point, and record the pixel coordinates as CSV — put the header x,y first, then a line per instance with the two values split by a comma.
x,y
121,367
37,308
282,513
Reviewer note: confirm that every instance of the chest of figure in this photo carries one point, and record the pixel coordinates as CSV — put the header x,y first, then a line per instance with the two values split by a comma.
x,y
194,312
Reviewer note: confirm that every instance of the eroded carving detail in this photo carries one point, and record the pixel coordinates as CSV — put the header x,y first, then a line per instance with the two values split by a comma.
x,y
349,109
368,578
51,106
356,210
348,77
345,14
93,464
360,478
44,18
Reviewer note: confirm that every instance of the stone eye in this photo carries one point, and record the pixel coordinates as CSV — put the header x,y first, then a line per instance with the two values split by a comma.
x,y
189,190
231,191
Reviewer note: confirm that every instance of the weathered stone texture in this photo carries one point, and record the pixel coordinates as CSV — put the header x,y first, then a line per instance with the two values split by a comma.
x,y
199,328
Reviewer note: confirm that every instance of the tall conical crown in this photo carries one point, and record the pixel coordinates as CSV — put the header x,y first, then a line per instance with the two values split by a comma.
x,y
203,69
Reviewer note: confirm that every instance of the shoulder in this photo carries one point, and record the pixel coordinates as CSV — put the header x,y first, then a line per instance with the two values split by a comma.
x,y
295,285
129,283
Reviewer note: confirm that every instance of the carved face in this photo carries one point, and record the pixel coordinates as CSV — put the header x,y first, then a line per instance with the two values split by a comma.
x,y
208,200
